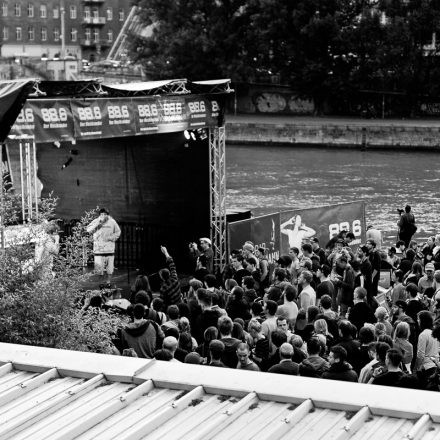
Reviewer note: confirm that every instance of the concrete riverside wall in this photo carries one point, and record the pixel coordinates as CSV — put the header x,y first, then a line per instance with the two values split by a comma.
x,y
337,135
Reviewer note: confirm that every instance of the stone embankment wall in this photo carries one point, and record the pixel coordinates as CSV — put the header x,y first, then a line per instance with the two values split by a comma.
x,y
349,136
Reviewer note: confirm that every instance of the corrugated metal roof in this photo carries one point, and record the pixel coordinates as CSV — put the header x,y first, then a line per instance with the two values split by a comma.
x,y
56,394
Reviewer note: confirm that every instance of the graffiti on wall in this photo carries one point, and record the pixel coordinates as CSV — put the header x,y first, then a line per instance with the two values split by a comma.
x,y
274,102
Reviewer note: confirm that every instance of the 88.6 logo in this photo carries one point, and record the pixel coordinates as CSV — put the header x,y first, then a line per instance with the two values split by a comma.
x,y
336,228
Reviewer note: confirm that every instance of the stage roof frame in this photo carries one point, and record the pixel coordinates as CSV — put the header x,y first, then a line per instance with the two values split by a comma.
x,y
97,88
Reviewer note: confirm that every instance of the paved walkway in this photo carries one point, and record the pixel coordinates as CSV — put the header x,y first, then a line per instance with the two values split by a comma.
x,y
329,120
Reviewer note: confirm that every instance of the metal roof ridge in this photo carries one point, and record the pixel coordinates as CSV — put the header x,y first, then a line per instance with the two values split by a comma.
x,y
323,393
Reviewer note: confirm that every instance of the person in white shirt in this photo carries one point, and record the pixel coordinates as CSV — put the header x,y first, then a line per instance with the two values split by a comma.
x,y
307,296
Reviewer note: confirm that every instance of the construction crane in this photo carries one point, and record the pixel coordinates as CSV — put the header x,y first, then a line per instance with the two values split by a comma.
x,y
132,25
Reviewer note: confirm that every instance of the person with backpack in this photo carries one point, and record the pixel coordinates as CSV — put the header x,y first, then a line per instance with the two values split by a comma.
x,y
144,336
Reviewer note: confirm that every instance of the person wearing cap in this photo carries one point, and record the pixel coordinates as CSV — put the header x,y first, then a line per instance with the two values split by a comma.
x,y
205,248
105,233
427,280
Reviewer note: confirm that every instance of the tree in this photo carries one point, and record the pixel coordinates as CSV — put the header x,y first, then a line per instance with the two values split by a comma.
x,y
195,39
327,50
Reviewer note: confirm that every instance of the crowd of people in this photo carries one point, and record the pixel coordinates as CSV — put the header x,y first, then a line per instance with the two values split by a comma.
x,y
314,312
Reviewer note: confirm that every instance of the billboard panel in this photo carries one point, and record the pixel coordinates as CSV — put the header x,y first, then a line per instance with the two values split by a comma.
x,y
323,222
261,231
281,231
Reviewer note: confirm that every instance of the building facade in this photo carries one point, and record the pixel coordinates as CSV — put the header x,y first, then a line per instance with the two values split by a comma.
x,y
38,28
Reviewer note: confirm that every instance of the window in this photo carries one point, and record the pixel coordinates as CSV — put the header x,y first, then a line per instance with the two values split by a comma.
x,y
109,35
86,13
73,34
121,15
18,33
109,14
43,34
31,33
95,13
72,12
17,10
30,10
5,33
56,12
88,34
43,11
96,35
4,9
56,34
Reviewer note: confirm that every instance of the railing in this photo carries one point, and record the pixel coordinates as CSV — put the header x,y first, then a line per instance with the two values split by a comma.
x,y
138,247
94,20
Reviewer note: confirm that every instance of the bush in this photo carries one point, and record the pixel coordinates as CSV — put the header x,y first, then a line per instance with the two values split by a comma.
x,y
43,310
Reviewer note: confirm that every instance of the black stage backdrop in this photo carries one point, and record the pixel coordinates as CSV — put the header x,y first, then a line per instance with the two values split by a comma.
x,y
155,186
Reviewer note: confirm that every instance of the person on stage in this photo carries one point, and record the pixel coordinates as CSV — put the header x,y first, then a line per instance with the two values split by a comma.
x,y
105,233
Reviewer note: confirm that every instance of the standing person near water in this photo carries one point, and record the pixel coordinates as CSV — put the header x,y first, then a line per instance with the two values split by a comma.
x,y
407,225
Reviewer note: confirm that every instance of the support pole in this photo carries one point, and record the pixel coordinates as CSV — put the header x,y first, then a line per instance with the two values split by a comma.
x,y
34,170
217,180
2,203
28,180
23,212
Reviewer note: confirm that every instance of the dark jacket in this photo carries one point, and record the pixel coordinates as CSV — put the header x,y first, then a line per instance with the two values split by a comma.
x,y
208,318
170,289
352,346
361,313
143,337
341,371
346,287
238,309
229,356
285,367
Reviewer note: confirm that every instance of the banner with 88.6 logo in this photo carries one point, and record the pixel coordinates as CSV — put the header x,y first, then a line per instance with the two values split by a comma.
x,y
47,120
103,118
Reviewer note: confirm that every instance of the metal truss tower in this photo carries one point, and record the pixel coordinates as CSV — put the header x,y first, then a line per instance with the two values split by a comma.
x,y
217,180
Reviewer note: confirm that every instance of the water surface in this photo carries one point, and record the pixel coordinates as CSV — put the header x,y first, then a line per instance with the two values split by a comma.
x,y
267,179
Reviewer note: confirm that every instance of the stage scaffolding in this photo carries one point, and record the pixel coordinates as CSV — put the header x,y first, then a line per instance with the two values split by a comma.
x,y
217,178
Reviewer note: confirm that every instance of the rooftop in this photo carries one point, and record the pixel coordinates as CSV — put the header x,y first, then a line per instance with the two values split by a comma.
x,y
57,394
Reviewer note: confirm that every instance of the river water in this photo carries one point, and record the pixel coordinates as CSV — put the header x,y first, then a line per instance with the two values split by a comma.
x,y
269,179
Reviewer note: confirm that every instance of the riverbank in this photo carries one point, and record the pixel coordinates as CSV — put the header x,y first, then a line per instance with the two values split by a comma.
x,y
422,134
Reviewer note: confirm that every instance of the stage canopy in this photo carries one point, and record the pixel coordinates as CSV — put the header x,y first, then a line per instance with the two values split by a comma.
x,y
49,111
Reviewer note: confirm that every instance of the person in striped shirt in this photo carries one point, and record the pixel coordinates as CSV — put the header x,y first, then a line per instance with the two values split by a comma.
x,y
170,285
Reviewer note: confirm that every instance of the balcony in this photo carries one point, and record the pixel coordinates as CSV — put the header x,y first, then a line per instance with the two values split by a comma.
x,y
93,43
94,21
